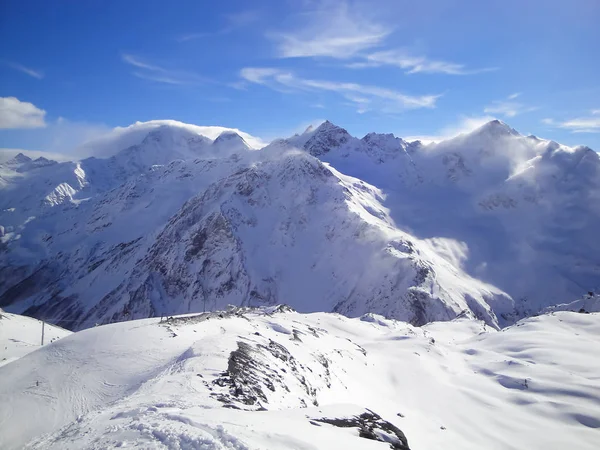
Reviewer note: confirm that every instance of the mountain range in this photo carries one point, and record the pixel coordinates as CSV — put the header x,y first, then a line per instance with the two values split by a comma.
x,y
175,218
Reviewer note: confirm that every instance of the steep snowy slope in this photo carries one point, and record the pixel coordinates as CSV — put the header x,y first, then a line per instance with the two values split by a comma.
x,y
276,379
20,335
517,212
36,203
262,225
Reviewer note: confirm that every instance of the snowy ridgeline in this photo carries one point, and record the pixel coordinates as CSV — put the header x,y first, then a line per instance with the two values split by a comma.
x,y
273,378
178,218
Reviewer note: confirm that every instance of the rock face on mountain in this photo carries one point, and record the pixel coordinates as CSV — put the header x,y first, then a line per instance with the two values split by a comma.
x,y
490,224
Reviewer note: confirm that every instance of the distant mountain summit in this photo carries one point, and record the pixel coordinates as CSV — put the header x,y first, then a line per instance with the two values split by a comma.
x,y
20,158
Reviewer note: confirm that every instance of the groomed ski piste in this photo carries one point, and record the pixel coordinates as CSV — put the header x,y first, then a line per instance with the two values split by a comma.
x,y
272,378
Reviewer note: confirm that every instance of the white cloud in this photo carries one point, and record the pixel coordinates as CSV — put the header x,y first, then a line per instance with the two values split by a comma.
x,y
579,124
508,108
21,68
414,64
137,62
331,30
365,97
582,125
66,136
78,140
17,114
343,30
59,137
110,141
259,75
153,72
465,124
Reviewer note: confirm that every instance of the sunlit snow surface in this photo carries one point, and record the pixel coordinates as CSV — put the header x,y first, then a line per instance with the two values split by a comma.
x,y
172,385
20,335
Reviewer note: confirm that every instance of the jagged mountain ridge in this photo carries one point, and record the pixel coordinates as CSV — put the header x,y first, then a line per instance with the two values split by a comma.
x,y
523,210
179,223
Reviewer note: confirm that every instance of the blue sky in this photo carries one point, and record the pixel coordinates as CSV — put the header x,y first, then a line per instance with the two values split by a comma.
x,y
70,71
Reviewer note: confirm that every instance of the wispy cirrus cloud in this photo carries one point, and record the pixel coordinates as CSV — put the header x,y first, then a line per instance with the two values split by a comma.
x,y
414,64
509,107
582,124
150,71
17,114
363,97
345,31
234,21
332,30
26,70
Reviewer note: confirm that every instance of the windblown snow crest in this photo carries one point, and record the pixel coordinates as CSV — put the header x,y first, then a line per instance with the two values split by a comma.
x,y
182,222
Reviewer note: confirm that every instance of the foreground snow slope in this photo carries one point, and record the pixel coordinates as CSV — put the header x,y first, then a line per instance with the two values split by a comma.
x,y
266,378
20,335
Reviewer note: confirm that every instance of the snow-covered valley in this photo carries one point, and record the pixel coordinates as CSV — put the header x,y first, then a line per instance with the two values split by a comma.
x,y
274,378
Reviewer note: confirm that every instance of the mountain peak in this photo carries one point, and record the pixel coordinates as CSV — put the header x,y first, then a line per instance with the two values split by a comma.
x,y
497,128
159,134
384,142
327,125
378,137
41,161
230,138
20,158
326,137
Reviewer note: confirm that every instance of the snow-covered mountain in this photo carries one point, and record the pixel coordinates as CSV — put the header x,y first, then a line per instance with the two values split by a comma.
x,y
517,212
492,224
272,378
